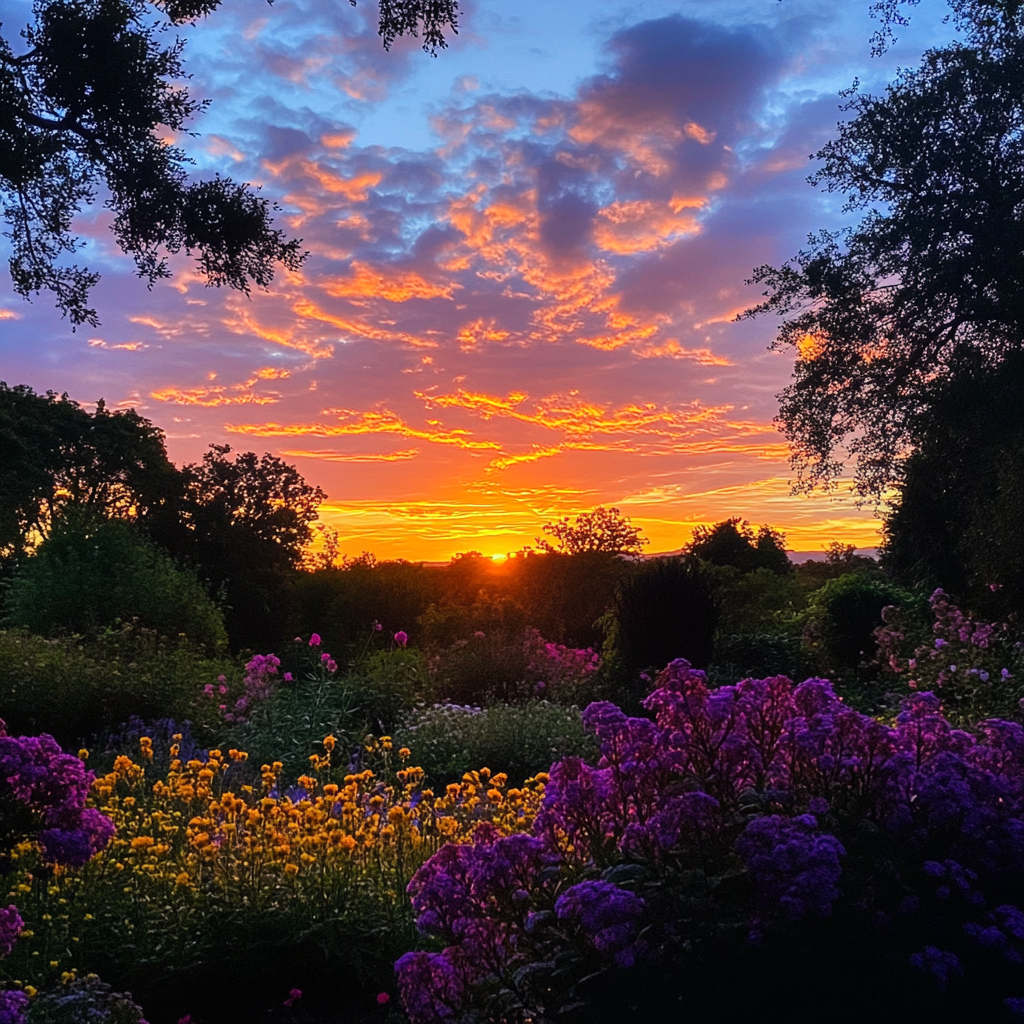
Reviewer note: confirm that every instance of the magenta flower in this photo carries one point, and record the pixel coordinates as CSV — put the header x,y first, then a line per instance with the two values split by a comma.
x,y
293,996
287,677
383,998
314,640
401,638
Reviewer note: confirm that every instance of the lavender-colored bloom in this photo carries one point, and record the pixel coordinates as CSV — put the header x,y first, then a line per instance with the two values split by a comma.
x,y
430,987
606,914
941,965
10,928
795,867
13,1007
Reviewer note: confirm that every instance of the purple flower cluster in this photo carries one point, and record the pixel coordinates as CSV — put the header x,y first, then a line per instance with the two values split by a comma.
x,y
13,1007
607,915
794,866
258,684
36,773
758,775
478,898
11,924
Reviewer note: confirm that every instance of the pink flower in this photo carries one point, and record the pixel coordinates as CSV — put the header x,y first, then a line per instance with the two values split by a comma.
x,y
314,640
287,677
187,1019
383,997
479,634
222,689
377,627
401,638
332,665
294,995
298,639
208,689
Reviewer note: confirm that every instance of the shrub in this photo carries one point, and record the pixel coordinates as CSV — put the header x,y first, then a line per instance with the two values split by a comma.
x,y
387,684
506,665
761,831
745,655
842,618
976,667
74,688
664,609
517,740
91,574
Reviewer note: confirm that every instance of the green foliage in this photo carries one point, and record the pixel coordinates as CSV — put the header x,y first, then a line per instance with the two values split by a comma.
x,y
92,573
75,690
386,685
243,522
290,725
734,543
841,620
757,656
761,601
520,740
485,667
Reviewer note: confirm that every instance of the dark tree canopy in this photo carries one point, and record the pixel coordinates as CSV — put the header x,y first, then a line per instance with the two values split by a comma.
x,y
603,529
56,455
243,524
733,542
929,286
958,521
83,99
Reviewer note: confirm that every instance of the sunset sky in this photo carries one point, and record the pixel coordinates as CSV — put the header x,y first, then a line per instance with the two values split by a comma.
x,y
525,260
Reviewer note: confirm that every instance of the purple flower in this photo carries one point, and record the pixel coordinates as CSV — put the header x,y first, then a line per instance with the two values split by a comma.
x,y
939,964
314,640
795,868
10,928
430,987
607,915
401,638
13,1007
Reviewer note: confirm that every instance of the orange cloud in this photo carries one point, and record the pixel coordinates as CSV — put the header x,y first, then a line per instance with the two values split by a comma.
x,y
672,349
391,285
127,346
642,225
208,398
309,310
480,330
353,423
327,455
244,321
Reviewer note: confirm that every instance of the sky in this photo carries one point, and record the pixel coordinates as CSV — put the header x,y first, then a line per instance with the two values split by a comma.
x,y
526,257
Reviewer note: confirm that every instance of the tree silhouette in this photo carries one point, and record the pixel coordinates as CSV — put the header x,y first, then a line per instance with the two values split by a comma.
x,y
82,105
603,529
